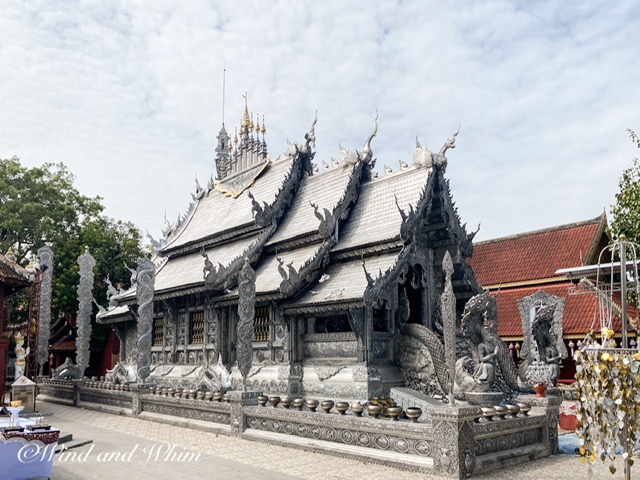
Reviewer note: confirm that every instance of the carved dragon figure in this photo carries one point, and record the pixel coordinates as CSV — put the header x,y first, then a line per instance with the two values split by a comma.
x,y
144,296
440,159
436,350
327,221
290,277
408,225
263,214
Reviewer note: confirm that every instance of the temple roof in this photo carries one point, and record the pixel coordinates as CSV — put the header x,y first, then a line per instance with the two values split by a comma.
x,y
344,281
520,265
375,217
325,189
306,233
268,278
216,213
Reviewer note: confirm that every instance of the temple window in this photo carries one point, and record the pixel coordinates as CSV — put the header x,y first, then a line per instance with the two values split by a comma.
x,y
333,324
158,331
196,327
261,325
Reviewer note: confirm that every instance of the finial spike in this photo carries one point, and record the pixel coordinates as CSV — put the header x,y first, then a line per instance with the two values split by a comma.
x,y
224,80
245,118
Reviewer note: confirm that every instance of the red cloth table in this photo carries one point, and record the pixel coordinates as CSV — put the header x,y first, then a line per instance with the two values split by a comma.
x,y
27,454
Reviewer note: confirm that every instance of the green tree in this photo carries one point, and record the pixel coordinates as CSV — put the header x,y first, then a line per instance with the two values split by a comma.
x,y
39,205
112,243
625,213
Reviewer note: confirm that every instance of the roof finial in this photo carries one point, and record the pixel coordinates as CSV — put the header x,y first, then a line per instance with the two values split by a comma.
x,y
224,79
245,118
367,145
264,129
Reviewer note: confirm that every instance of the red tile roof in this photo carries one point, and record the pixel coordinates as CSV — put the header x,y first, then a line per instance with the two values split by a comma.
x,y
525,263
537,255
580,311
13,274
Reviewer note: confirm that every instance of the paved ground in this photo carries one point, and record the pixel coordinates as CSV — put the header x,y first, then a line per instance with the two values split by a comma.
x,y
132,448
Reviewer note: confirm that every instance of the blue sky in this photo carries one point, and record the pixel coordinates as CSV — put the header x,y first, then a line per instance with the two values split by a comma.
x,y
128,94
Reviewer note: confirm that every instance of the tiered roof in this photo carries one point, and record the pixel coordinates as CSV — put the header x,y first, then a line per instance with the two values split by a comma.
x,y
307,233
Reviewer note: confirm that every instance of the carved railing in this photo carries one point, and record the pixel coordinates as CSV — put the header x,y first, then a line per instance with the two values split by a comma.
x,y
450,441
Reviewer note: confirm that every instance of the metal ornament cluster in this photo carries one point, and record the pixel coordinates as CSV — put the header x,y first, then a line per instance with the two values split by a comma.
x,y
608,382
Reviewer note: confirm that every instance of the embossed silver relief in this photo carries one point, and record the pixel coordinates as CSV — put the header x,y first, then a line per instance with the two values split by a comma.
x,y
85,305
45,258
145,274
448,301
541,315
325,373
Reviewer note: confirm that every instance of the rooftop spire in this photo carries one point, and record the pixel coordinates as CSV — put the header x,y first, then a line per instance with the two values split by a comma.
x,y
224,79
245,118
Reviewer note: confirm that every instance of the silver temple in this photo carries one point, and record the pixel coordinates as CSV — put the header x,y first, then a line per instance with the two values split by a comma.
x,y
286,280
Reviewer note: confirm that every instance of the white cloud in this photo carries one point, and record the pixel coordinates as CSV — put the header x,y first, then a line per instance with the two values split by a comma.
x,y
129,94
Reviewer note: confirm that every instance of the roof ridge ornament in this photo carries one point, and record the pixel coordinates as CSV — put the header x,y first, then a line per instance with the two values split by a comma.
x,y
422,156
367,154
310,136
245,117
440,160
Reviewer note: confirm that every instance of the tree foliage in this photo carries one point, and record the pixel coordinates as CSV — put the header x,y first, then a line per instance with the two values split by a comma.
x,y
41,206
625,213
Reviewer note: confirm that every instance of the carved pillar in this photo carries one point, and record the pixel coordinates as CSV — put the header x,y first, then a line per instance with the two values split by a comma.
x,y
137,391
210,331
453,440
45,258
146,274
246,316
225,325
77,384
85,298
448,302
238,401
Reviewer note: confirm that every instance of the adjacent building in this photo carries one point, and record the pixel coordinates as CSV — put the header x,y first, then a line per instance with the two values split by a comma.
x,y
517,266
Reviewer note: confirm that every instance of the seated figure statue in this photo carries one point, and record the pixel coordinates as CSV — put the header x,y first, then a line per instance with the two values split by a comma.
x,y
485,372
546,341
483,351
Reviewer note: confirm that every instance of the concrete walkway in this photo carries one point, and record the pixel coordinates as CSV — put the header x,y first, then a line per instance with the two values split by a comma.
x,y
125,447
